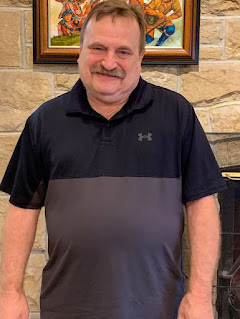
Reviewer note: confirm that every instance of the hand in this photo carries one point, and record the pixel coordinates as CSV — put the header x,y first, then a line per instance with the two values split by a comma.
x,y
192,307
13,305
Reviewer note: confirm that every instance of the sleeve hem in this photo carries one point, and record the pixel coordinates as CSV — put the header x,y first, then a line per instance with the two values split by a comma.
x,y
6,189
204,193
22,205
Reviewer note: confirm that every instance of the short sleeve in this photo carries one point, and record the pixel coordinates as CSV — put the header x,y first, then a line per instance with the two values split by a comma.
x,y
201,175
24,178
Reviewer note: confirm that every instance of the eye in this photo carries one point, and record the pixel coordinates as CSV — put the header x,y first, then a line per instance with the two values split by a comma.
x,y
97,49
124,53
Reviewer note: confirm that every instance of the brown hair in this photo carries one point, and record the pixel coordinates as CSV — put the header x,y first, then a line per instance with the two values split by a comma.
x,y
117,8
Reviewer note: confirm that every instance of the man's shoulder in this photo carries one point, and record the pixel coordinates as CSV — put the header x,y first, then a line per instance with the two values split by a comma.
x,y
50,109
172,98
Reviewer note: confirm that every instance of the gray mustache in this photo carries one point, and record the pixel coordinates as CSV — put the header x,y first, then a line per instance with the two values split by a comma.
x,y
100,69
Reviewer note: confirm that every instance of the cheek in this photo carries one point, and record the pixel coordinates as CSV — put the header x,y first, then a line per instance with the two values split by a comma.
x,y
93,59
134,70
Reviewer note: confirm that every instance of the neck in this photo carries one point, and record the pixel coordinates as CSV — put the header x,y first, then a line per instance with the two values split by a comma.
x,y
106,109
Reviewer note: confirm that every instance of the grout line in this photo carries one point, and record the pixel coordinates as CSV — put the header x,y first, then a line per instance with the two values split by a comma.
x,y
22,39
179,80
214,17
10,132
53,85
224,39
16,8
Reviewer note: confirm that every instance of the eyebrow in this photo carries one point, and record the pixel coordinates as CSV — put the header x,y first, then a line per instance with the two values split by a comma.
x,y
96,43
124,47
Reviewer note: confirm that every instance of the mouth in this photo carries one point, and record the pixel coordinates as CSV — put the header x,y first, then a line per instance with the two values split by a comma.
x,y
108,75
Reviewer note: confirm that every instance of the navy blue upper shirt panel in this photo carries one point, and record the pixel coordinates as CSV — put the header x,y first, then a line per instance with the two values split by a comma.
x,y
112,147
155,134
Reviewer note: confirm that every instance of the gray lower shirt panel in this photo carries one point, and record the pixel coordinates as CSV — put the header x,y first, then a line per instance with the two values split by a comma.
x,y
114,246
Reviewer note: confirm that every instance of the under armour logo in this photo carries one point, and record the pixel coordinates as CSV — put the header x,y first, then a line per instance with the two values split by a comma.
x,y
141,137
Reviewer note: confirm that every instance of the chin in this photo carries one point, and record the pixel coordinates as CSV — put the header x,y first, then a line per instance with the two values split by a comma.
x,y
105,89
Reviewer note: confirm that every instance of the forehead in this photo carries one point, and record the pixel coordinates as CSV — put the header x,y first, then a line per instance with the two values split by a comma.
x,y
108,29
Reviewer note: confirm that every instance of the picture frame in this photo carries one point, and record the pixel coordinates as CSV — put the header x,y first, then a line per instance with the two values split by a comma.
x,y
183,49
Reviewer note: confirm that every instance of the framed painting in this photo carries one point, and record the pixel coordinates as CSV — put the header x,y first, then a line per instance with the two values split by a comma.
x,y
172,34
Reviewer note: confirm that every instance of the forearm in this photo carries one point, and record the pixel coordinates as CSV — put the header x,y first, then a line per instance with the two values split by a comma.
x,y
204,239
18,237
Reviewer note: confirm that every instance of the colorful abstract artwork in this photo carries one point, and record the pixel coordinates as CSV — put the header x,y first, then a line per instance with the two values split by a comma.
x,y
164,19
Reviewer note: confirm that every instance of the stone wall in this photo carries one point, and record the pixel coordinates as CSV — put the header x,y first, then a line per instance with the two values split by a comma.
x,y
212,87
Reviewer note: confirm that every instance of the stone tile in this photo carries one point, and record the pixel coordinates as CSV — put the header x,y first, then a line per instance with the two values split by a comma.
x,y
203,118
7,145
33,278
162,76
210,53
40,239
211,31
10,51
211,83
225,118
29,57
29,26
65,82
220,7
4,202
227,151
16,3
233,38
30,90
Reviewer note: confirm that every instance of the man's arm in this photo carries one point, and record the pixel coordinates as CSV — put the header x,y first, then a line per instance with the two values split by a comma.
x,y
18,237
204,239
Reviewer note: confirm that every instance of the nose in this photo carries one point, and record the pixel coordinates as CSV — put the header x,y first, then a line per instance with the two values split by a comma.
x,y
109,61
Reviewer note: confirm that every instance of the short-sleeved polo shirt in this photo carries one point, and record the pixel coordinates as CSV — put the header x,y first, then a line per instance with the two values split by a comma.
x,y
113,192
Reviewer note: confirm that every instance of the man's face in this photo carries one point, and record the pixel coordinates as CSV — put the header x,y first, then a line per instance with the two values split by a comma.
x,y
68,17
109,61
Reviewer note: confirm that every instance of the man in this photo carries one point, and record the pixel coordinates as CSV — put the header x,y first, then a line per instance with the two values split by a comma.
x,y
69,25
112,161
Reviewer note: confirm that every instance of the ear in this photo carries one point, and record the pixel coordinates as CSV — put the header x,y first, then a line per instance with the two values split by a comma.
x,y
80,51
142,54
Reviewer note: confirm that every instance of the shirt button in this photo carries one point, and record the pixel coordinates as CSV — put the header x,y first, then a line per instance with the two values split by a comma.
x,y
107,124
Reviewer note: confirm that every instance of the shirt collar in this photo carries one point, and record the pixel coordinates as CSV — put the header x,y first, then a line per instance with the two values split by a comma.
x,y
78,104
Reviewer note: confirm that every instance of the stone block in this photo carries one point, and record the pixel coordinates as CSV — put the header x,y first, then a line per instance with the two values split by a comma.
x,y
22,92
162,76
13,119
30,57
210,53
211,31
225,118
203,118
10,50
40,239
65,82
34,316
29,26
33,278
15,3
4,202
209,84
220,7
39,243
227,150
233,38
7,145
